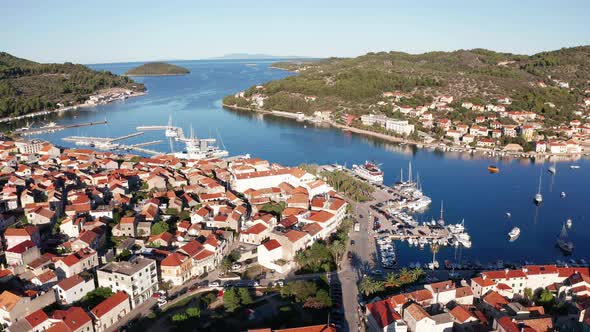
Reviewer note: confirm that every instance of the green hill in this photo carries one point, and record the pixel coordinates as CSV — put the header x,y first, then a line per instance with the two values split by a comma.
x,y
157,69
355,85
27,86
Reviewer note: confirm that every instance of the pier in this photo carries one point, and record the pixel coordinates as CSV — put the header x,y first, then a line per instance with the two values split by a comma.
x,y
51,129
110,143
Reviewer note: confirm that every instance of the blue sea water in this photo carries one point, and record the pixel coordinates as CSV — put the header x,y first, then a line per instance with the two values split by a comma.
x,y
462,181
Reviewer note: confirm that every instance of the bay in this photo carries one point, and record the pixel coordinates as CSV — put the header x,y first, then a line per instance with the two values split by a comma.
x,y
462,181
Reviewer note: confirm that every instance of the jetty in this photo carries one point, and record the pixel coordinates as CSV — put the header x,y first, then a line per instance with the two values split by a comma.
x,y
54,128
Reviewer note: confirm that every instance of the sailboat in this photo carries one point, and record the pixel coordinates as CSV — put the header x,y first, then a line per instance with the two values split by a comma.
x,y
552,169
441,220
563,241
538,196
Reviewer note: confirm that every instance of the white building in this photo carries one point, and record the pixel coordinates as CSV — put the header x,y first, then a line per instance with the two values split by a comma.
x,y
401,127
137,277
73,289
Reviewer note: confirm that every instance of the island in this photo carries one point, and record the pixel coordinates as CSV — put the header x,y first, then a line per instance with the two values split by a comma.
x,y
465,100
157,69
28,87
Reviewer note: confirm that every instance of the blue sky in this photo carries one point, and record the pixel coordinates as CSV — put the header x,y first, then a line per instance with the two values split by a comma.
x,y
116,31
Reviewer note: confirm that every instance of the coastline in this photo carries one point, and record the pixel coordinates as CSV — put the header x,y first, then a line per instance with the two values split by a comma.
x,y
152,75
65,109
491,153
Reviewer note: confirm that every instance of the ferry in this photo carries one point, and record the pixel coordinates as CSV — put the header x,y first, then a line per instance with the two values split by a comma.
x,y
493,169
369,171
203,148
514,234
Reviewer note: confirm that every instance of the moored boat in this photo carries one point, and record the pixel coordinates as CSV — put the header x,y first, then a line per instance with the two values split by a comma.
x,y
563,241
369,171
493,169
514,234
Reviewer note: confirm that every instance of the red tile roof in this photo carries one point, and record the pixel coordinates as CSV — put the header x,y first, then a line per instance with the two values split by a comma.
x,y
271,245
461,314
107,305
507,324
70,282
383,313
74,317
36,318
22,247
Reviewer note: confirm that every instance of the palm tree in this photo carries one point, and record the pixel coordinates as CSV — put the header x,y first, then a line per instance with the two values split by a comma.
x,y
434,248
370,286
405,276
392,280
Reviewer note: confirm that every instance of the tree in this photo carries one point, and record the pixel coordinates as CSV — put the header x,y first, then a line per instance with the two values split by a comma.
x,y
545,298
231,300
160,227
96,296
179,317
371,286
225,264
193,312
301,290
528,293
245,297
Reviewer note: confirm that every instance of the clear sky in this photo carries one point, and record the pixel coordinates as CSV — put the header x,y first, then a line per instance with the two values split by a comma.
x,y
125,30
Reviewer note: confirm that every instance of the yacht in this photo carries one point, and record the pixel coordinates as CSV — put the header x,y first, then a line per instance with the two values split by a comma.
x,y
538,196
569,223
562,194
514,234
508,214
574,166
563,241
369,171
203,148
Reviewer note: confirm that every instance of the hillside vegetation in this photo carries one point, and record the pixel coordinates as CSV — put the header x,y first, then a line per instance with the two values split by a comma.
x,y
157,69
27,86
479,76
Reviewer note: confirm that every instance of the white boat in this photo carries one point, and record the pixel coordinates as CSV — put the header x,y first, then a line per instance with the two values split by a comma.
x,y
514,234
508,214
562,194
369,171
569,223
552,169
563,242
574,166
49,125
538,196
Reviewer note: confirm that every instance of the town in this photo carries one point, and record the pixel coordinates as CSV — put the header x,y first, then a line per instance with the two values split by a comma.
x,y
495,128
95,241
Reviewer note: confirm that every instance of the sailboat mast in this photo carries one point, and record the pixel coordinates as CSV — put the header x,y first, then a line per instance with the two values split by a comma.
x,y
441,210
410,172
401,175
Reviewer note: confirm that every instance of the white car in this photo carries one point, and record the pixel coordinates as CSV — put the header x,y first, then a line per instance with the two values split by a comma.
x,y
214,283
236,266
161,303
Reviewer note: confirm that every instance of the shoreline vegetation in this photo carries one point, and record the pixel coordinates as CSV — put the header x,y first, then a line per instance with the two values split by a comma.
x,y
393,139
475,101
28,87
126,94
157,69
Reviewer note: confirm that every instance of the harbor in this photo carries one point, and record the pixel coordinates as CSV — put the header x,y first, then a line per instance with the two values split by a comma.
x,y
461,180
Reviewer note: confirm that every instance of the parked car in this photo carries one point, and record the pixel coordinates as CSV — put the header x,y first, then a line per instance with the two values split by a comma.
x,y
161,303
215,283
236,266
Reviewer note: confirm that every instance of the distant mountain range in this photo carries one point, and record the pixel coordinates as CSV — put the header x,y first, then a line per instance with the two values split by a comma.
x,y
245,56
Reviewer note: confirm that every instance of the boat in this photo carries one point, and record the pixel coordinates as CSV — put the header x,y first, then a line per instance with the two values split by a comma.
x,y
514,234
49,125
493,169
538,196
569,223
369,171
563,241
562,194
552,169
508,214
574,166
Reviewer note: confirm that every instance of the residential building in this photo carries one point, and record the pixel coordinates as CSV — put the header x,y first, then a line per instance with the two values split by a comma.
x,y
137,277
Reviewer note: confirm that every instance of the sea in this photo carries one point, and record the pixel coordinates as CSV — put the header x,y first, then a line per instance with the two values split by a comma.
x,y
469,192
